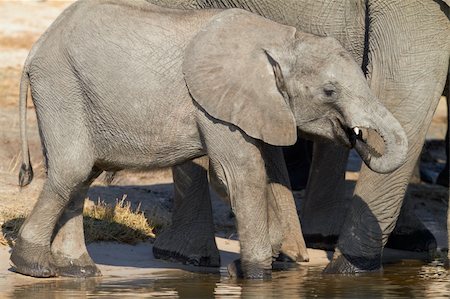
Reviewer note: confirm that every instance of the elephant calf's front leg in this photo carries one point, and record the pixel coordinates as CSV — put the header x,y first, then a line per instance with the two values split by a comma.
x,y
245,177
249,204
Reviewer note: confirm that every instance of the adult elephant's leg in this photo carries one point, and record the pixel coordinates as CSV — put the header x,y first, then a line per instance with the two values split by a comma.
x,y
68,245
324,205
370,219
408,63
190,237
284,224
410,233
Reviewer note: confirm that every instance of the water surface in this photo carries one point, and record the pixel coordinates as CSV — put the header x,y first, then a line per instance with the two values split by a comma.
x,y
400,280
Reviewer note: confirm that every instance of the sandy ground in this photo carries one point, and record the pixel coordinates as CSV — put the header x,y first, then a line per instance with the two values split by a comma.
x,y
21,23
120,261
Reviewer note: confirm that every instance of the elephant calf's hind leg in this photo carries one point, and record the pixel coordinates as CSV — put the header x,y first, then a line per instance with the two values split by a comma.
x,y
31,254
68,246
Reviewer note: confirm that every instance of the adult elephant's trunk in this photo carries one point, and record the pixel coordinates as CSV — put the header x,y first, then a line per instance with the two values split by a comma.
x,y
376,118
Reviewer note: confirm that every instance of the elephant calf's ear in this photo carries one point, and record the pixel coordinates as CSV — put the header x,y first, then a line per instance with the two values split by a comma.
x,y
230,74
278,73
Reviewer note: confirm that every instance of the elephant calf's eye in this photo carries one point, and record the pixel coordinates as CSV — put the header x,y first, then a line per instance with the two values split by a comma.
x,y
329,91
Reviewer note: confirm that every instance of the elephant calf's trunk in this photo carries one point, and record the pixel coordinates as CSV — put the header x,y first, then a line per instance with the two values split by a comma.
x,y
394,138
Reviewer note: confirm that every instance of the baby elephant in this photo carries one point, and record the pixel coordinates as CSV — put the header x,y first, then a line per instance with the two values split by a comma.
x,y
122,84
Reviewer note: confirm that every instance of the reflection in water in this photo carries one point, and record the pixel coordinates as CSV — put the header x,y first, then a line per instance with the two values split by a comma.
x,y
409,280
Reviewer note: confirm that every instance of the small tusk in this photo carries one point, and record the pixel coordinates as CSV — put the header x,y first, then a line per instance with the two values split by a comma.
x,y
356,130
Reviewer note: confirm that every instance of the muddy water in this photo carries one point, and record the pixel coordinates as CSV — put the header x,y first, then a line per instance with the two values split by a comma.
x,y
400,280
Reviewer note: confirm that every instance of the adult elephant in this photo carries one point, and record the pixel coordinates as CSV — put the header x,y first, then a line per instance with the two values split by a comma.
x,y
403,49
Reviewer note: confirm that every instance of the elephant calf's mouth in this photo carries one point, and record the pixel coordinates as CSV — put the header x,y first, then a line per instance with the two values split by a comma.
x,y
358,141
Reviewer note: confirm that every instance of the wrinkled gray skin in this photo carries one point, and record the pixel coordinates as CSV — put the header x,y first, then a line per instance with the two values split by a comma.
x,y
403,49
127,85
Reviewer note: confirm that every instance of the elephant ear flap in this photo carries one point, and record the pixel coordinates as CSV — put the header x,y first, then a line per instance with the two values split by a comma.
x,y
232,71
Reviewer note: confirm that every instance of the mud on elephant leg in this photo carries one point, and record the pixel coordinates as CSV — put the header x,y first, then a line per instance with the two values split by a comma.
x,y
190,238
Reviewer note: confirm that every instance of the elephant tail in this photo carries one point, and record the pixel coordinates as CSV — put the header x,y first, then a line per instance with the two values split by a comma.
x,y
26,171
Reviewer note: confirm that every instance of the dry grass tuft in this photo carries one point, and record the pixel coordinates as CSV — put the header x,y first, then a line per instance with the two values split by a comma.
x,y
119,223
102,222
10,223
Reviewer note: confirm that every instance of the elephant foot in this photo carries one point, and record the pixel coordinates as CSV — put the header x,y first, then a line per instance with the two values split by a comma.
x,y
248,270
342,264
319,241
190,248
190,259
76,267
420,241
32,259
293,250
